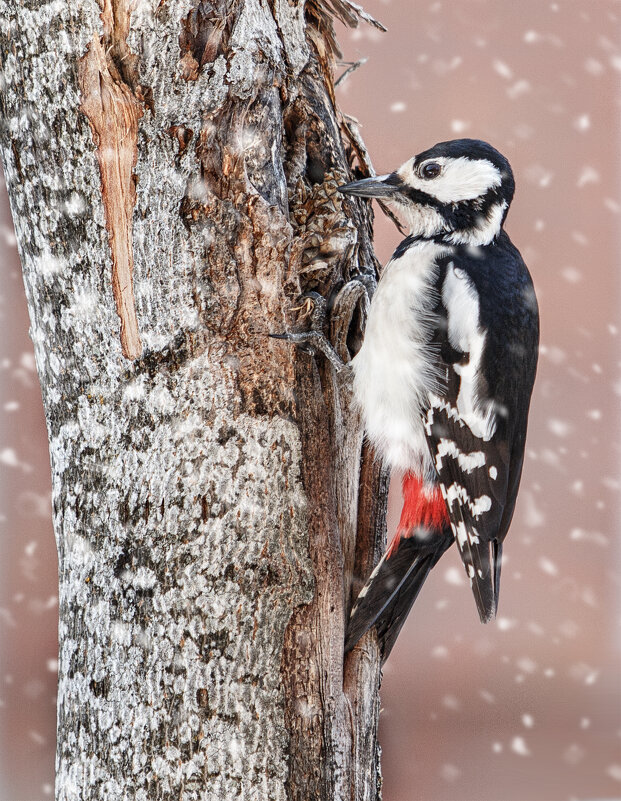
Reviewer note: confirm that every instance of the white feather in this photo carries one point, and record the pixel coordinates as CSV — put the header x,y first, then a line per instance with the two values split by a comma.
x,y
460,179
467,461
465,334
455,492
422,221
394,371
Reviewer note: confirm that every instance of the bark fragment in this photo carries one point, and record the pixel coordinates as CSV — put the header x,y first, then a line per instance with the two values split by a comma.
x,y
204,36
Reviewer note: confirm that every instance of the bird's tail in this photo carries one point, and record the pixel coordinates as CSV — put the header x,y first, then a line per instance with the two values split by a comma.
x,y
387,597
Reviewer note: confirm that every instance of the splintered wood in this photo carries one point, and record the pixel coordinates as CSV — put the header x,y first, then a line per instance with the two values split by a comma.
x,y
113,113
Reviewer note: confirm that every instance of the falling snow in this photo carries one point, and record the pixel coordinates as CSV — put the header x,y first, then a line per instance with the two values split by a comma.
x,y
614,771
582,123
518,745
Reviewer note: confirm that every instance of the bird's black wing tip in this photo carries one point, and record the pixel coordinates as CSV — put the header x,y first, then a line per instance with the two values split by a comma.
x,y
387,597
486,613
353,637
486,581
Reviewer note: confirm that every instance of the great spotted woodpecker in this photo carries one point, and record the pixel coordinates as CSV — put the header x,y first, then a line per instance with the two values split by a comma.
x,y
444,375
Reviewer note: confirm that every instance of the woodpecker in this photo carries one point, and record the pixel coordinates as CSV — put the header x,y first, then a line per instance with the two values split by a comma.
x,y
444,375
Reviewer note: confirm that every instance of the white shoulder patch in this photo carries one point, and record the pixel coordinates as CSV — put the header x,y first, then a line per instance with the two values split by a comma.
x,y
462,304
465,334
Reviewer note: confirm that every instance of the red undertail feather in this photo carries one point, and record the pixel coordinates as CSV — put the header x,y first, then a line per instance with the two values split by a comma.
x,y
423,507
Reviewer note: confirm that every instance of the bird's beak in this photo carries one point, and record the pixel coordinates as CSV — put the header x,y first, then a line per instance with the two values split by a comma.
x,y
381,186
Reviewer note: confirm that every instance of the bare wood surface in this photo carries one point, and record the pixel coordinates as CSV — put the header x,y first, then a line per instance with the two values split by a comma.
x,y
113,113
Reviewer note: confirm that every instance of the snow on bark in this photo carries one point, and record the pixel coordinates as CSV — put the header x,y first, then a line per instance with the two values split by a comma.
x,y
205,494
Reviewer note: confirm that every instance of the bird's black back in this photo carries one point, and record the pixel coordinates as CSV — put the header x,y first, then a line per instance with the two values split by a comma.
x,y
508,313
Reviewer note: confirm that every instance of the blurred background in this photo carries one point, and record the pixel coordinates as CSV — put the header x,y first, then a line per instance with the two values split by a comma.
x,y
527,708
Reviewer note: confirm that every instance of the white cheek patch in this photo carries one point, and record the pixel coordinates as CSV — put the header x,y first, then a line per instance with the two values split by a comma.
x,y
422,220
460,179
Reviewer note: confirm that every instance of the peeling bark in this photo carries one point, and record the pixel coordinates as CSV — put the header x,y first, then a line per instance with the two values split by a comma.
x,y
113,111
209,491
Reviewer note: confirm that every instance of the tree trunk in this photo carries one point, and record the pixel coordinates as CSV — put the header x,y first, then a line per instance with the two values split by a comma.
x,y
172,170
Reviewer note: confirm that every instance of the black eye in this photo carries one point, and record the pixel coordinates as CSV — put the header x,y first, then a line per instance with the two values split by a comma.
x,y
431,170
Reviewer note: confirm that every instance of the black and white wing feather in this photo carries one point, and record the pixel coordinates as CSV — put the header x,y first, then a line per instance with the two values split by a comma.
x,y
473,477
476,422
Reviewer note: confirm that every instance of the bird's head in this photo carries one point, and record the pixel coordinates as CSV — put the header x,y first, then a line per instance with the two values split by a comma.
x,y
456,192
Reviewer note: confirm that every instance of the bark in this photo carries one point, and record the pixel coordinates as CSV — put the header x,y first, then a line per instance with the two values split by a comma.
x,y
172,170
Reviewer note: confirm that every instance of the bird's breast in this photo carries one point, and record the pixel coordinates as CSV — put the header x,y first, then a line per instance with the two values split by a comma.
x,y
396,367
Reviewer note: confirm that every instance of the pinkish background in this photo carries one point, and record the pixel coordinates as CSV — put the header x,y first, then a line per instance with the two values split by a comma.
x,y
527,708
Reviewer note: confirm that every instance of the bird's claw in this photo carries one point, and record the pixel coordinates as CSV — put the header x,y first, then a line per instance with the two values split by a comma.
x,y
314,340
348,310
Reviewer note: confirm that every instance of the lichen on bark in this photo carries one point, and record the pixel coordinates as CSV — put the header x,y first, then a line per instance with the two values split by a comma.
x,y
206,490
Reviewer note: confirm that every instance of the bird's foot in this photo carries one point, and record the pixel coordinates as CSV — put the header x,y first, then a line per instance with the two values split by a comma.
x,y
348,314
314,340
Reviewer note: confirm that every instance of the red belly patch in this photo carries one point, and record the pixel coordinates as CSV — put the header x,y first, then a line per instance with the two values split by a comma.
x,y
423,507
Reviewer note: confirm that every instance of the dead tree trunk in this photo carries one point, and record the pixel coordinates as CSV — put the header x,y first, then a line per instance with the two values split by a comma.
x,y
172,170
